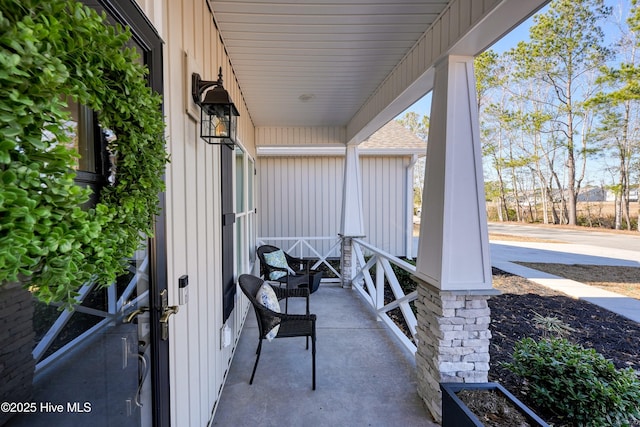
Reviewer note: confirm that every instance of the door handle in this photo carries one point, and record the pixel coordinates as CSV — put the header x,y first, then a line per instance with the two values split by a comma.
x,y
134,314
164,320
168,312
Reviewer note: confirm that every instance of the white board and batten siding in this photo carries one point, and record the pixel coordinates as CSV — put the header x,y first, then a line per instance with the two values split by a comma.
x,y
198,364
300,189
299,197
302,197
384,201
294,136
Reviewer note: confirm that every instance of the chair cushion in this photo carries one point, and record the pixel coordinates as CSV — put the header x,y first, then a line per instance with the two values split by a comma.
x,y
278,260
267,297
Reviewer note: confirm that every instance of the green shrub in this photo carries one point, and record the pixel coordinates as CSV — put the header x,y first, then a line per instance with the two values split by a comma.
x,y
50,51
404,277
577,384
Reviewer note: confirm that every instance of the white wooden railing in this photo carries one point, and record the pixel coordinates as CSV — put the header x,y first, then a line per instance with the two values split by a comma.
x,y
371,287
320,248
115,307
372,273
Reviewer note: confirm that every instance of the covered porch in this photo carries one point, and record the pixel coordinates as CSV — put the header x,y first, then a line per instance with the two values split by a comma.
x,y
308,93
316,76
364,374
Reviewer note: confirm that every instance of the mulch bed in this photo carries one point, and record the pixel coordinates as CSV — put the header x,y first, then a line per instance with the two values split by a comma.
x,y
614,336
493,409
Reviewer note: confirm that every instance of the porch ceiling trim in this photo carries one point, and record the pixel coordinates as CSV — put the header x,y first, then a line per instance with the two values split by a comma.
x,y
353,64
465,27
333,151
300,150
312,63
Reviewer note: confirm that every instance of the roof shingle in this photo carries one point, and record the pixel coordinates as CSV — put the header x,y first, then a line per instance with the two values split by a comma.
x,y
394,137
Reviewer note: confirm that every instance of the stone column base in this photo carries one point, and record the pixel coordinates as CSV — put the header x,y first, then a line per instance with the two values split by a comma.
x,y
347,260
347,269
453,340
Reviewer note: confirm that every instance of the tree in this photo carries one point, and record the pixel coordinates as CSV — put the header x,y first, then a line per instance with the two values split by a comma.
x,y
419,126
619,104
491,76
565,50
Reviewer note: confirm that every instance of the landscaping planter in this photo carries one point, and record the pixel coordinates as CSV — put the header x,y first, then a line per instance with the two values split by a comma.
x,y
456,414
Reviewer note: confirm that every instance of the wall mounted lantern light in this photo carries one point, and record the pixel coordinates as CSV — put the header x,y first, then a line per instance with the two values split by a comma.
x,y
218,114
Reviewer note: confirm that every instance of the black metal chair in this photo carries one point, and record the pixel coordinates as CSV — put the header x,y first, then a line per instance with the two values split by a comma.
x,y
302,276
291,325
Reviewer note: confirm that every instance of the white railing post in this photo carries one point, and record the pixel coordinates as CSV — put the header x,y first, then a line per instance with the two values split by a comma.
x,y
114,307
372,290
360,276
303,246
379,284
112,300
401,299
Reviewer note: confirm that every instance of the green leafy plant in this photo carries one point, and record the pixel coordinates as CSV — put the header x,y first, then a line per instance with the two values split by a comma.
x,y
404,277
577,384
50,50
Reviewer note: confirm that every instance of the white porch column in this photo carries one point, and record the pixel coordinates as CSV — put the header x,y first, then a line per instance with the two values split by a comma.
x,y
352,224
453,268
409,207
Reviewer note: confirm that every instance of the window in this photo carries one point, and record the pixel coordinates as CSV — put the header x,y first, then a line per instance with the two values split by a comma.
x,y
90,141
251,172
245,212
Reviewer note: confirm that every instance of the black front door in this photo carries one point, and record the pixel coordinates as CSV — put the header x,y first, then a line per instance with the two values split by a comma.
x,y
105,363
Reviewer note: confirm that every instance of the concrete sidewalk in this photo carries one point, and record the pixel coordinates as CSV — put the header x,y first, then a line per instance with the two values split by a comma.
x,y
504,254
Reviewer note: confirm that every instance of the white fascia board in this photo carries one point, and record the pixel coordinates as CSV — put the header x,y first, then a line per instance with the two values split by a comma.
x,y
300,150
392,152
309,151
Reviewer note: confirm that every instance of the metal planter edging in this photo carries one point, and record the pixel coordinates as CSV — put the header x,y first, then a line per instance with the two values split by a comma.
x,y
456,414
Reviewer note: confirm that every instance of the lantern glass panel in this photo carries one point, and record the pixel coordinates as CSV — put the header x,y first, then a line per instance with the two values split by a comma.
x,y
206,125
216,122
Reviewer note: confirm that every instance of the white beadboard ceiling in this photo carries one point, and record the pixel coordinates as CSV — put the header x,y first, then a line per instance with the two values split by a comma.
x,y
315,62
351,63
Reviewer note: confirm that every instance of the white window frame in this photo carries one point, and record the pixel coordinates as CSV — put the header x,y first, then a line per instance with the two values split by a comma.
x,y
244,256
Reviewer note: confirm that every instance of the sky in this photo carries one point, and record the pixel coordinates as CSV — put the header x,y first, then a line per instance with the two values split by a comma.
x,y
520,33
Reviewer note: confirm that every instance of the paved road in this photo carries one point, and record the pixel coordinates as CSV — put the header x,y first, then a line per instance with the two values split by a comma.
x,y
577,247
576,236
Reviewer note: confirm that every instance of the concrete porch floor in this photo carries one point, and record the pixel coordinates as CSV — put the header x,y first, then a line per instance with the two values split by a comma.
x,y
363,376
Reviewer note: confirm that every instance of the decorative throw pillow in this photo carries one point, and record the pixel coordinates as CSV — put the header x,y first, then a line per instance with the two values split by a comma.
x,y
267,297
278,260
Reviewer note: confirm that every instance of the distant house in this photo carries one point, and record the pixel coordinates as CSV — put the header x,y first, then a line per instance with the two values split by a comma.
x,y
600,194
288,182
633,195
593,194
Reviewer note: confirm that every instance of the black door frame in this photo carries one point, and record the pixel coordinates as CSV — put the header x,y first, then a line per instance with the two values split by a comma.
x,y
128,13
227,158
